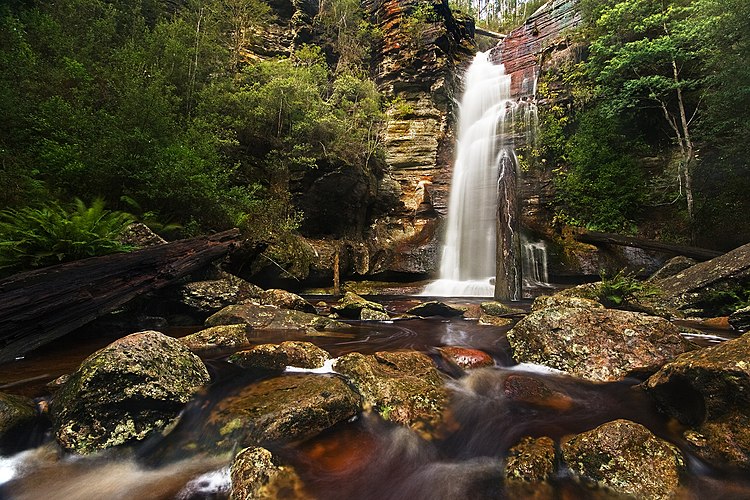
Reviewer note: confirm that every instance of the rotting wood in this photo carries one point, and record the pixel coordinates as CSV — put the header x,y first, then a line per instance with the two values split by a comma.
x,y
39,306
596,238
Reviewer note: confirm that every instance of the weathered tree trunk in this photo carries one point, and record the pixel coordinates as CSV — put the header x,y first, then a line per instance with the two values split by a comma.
x,y
508,249
596,238
39,306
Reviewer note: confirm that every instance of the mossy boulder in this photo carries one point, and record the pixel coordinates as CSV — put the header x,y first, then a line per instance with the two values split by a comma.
x,y
15,411
435,308
256,474
499,309
351,306
259,317
286,408
405,386
549,301
207,297
125,391
221,338
286,300
601,345
279,356
626,457
531,460
709,390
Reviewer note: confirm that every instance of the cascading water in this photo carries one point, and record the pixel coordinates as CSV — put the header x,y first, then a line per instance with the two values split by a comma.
x,y
535,274
467,267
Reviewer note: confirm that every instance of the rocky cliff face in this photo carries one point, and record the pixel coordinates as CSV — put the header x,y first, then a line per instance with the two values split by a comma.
x,y
423,54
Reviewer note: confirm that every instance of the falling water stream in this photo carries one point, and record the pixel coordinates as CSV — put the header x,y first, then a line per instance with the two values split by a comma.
x,y
467,266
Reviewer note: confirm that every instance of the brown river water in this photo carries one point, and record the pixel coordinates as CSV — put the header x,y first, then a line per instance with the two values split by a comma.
x,y
367,458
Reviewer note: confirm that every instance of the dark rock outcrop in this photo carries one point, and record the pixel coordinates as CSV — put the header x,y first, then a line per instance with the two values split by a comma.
x,y
627,458
14,411
404,387
136,385
435,308
596,344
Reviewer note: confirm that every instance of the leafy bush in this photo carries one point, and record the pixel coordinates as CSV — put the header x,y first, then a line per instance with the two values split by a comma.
x,y
38,237
623,289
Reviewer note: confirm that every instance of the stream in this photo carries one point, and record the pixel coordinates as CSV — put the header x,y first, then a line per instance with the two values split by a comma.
x,y
366,458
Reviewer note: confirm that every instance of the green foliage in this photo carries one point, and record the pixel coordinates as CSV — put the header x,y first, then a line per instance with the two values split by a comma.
x,y
602,186
416,22
623,289
38,237
725,302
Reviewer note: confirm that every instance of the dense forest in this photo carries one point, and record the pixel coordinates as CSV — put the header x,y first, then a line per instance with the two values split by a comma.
x,y
166,111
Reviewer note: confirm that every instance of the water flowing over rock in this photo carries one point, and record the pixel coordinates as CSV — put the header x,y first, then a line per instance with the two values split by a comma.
x,y
404,387
284,408
123,392
596,344
279,356
627,458
709,389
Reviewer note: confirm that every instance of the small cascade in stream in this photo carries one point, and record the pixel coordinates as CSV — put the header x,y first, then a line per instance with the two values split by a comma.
x,y
468,265
535,274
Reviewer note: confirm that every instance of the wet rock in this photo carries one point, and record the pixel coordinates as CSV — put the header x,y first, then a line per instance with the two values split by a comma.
x,y
673,266
499,309
627,458
740,319
207,297
279,356
533,391
256,474
709,389
15,411
286,300
435,308
488,320
466,357
260,317
601,345
285,408
549,301
351,306
531,460
218,338
373,315
136,385
140,235
405,386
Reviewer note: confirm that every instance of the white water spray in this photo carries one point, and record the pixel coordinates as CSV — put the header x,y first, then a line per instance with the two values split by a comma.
x,y
467,267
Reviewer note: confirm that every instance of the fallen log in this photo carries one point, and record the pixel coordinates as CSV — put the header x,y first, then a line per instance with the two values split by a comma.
x,y
596,238
39,306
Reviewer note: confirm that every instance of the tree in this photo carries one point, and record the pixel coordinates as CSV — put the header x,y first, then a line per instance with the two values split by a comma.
x,y
642,57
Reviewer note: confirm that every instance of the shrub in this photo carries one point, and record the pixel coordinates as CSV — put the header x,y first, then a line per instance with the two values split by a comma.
x,y
38,237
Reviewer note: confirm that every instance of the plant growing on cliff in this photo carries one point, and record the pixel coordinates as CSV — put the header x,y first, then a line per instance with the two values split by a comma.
x,y
623,289
51,234
416,22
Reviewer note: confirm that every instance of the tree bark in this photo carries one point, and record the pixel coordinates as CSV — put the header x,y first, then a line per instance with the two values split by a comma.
x,y
596,238
39,306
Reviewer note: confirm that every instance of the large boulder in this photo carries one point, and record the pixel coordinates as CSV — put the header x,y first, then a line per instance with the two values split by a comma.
x,y
259,317
256,474
404,387
207,297
217,339
559,300
123,392
352,306
627,458
286,300
435,308
279,356
286,408
602,345
709,390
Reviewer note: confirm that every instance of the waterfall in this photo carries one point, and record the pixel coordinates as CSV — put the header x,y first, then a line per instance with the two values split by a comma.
x,y
535,274
468,260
